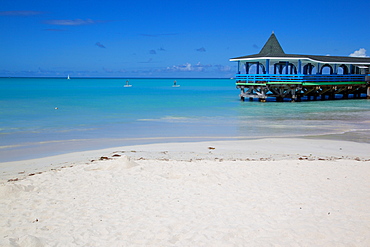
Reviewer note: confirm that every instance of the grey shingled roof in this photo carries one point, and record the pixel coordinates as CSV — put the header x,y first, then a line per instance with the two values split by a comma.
x,y
272,49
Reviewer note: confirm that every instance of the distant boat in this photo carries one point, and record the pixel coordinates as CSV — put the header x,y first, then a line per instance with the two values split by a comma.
x,y
68,77
175,84
127,84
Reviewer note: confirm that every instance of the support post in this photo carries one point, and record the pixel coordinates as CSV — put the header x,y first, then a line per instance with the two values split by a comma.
x,y
267,66
318,69
299,66
287,67
247,68
258,68
332,96
294,96
242,92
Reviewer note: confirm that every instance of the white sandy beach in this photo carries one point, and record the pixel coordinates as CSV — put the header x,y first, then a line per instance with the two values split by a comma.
x,y
265,192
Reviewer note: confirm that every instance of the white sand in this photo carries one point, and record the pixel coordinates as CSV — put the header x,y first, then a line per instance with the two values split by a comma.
x,y
272,192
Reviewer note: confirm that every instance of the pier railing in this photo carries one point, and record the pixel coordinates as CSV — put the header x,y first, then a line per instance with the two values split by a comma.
x,y
297,79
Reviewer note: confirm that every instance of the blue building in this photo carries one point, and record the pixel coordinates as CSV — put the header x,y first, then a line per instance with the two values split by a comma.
x,y
273,73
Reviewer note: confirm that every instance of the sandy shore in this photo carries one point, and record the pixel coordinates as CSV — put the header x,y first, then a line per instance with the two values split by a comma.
x,y
266,192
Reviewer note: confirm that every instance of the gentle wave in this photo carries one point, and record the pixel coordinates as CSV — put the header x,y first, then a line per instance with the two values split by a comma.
x,y
168,119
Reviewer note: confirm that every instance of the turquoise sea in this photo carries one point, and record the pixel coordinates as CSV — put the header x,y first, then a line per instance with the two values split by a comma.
x,y
49,116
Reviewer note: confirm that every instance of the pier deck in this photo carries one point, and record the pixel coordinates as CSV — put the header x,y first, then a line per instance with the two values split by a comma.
x,y
296,87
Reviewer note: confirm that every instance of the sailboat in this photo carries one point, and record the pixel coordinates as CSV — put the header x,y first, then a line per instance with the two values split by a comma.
x,y
68,77
127,84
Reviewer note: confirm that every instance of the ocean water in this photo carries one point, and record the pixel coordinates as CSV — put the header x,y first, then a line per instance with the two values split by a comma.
x,y
48,116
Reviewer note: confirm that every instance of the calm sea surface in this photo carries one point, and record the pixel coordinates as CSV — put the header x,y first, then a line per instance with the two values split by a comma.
x,y
40,117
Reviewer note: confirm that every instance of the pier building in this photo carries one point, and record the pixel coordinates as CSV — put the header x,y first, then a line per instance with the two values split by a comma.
x,y
273,73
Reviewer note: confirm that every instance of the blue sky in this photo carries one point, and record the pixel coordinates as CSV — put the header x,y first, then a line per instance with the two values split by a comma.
x,y
176,39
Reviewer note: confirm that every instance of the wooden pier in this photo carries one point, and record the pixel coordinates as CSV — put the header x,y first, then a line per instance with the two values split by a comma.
x,y
296,77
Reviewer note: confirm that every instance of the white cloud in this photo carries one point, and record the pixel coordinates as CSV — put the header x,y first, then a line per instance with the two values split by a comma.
x,y
223,68
359,53
189,67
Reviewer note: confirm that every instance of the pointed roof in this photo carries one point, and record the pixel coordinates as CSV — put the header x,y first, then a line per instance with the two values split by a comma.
x,y
272,47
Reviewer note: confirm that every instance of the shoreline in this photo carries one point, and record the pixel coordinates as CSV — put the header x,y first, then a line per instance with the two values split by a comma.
x,y
254,148
42,149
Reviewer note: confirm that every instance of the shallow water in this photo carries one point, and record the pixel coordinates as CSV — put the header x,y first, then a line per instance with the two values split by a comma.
x,y
46,116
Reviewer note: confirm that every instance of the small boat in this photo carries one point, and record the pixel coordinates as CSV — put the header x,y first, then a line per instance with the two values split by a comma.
x,y
68,77
127,84
175,85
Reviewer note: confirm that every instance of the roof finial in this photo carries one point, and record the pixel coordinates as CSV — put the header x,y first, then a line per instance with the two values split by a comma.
x,y
273,32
